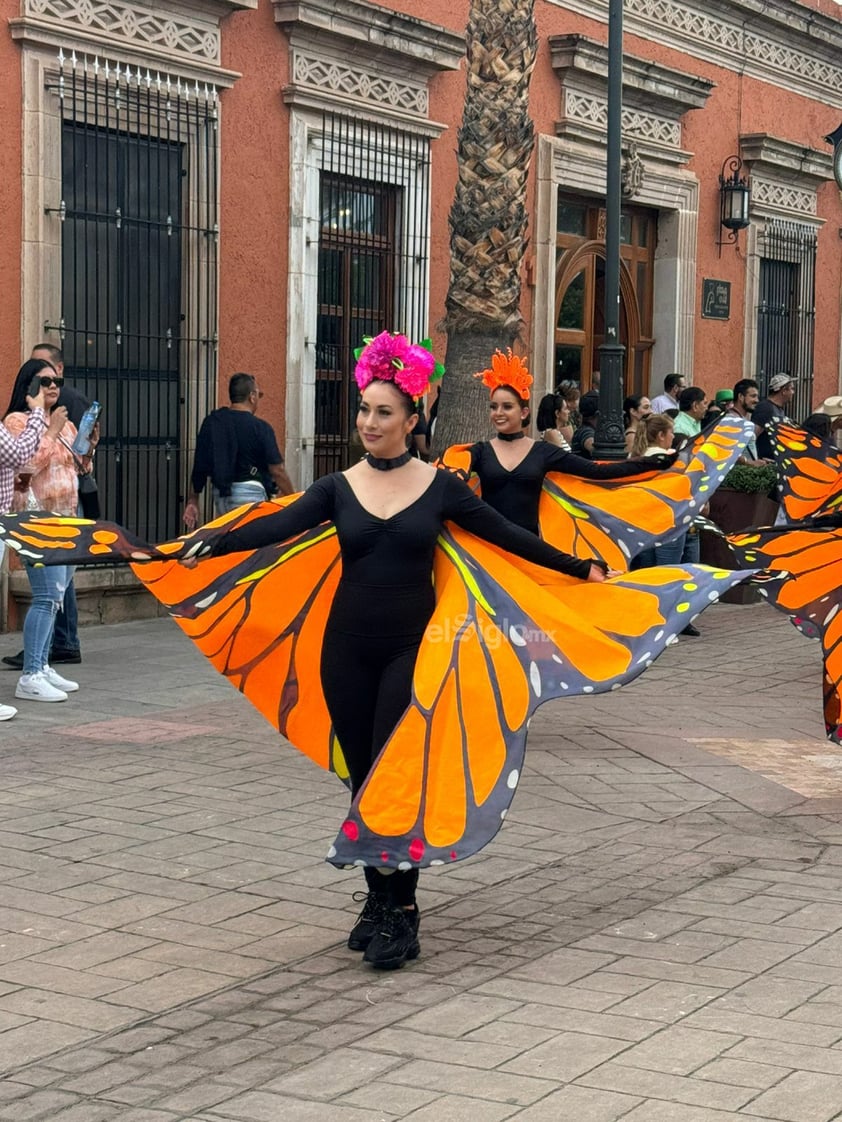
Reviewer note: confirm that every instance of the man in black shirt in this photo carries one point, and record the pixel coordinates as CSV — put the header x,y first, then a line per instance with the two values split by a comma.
x,y
772,408
238,453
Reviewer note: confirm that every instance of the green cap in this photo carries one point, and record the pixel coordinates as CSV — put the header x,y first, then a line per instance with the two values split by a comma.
x,y
722,396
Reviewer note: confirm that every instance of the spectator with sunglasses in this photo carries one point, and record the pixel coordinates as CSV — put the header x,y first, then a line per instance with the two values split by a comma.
x,y
66,645
50,478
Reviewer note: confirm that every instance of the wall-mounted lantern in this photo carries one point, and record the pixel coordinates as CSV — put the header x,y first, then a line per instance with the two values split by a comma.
x,y
734,200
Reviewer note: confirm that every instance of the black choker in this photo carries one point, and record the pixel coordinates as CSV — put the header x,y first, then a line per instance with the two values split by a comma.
x,y
511,435
388,465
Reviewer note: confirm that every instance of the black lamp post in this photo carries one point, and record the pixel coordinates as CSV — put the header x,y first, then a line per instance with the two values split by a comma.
x,y
609,441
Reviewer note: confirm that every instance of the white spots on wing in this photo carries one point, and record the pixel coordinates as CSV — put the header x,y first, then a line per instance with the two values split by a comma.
x,y
535,678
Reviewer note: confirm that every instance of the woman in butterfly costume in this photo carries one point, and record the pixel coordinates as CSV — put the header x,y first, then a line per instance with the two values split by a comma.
x,y
605,511
512,467
401,633
388,511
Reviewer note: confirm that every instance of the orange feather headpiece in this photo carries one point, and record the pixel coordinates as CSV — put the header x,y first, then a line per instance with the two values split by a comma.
x,y
507,370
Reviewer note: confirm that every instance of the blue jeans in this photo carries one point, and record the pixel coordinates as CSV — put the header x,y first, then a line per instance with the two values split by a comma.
x,y
48,583
66,635
250,491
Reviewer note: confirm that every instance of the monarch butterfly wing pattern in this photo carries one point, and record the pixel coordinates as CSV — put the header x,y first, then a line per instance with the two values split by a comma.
x,y
613,521
808,560
259,618
505,637
42,538
809,472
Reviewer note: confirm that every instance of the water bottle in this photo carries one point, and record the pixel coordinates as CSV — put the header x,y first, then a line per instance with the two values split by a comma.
x,y
82,443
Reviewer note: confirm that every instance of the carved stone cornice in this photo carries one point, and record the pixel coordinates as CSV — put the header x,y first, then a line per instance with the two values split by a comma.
x,y
178,36
365,59
647,86
778,41
374,32
781,159
785,177
655,97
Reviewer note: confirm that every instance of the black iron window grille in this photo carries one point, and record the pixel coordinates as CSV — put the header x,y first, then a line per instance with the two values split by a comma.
x,y
373,266
139,246
786,311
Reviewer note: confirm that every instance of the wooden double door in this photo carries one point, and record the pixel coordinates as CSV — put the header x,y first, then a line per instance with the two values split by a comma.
x,y
580,292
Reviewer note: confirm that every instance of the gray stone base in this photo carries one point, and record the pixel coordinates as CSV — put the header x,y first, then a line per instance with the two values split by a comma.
x,y
106,595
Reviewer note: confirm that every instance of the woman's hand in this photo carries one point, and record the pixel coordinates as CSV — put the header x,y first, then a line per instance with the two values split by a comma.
x,y
58,419
36,402
597,573
189,562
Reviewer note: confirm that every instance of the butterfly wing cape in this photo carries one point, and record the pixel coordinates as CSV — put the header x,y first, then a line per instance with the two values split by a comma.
x,y
505,637
809,561
809,472
612,521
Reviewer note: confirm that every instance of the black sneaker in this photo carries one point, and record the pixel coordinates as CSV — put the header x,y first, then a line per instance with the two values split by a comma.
x,y
376,906
15,661
62,654
395,941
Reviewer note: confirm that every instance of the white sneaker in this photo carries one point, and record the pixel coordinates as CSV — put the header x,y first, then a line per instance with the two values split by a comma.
x,y
55,679
7,712
36,687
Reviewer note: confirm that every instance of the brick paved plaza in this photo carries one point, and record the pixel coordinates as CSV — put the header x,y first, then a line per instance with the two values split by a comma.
x,y
655,936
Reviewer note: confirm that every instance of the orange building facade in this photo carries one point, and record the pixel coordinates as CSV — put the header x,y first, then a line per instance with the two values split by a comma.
x,y
207,186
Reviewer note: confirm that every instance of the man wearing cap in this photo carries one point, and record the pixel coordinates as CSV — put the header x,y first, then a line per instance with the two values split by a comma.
x,y
772,408
723,399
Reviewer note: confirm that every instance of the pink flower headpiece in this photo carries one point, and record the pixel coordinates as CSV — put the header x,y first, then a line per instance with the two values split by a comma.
x,y
392,358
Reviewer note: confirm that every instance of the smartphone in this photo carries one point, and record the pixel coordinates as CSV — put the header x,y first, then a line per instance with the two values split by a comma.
x,y
35,385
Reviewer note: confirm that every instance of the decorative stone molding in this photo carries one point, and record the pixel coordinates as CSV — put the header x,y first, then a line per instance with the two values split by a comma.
x,y
654,97
337,79
584,109
362,56
788,44
785,177
176,37
766,195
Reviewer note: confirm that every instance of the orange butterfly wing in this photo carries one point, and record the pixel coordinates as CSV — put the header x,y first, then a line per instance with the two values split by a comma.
x,y
505,637
809,472
613,521
809,560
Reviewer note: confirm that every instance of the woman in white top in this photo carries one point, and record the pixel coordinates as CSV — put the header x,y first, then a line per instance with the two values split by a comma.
x,y
553,421
653,436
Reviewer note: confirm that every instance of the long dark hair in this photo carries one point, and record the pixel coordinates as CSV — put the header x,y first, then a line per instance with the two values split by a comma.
x,y
548,406
32,366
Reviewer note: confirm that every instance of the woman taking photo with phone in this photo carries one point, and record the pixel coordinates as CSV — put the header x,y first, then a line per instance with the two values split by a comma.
x,y
48,481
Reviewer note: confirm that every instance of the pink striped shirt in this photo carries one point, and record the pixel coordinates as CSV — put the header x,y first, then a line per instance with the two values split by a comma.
x,y
16,450
54,480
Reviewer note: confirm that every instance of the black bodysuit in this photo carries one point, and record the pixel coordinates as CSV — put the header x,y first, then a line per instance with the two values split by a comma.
x,y
384,601
517,493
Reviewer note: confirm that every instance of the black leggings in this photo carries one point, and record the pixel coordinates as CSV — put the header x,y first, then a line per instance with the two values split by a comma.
x,y
367,684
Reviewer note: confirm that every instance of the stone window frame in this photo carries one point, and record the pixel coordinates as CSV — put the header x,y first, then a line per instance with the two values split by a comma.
x,y
655,98
393,58
785,179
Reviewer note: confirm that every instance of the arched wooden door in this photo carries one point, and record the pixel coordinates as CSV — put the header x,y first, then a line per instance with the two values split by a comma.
x,y
580,293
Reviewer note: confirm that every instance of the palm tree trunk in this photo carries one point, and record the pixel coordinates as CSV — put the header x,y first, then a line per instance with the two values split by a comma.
x,y
488,219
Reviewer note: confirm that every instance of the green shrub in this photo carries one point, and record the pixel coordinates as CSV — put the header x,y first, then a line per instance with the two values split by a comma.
x,y
751,480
